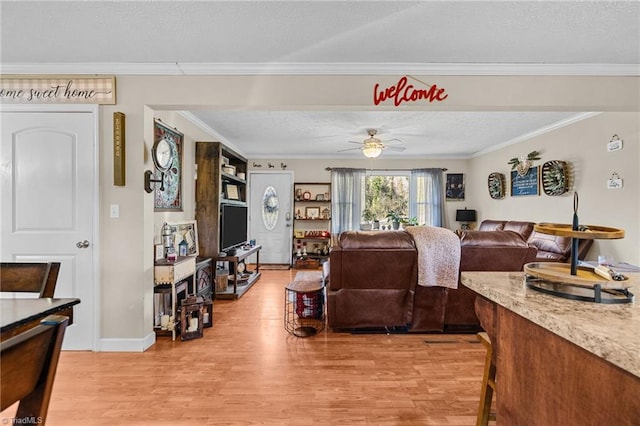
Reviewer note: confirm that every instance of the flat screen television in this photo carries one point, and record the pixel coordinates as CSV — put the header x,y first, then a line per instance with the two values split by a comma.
x,y
233,226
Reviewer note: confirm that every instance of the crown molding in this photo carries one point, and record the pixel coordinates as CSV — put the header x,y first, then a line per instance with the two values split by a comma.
x,y
323,69
555,126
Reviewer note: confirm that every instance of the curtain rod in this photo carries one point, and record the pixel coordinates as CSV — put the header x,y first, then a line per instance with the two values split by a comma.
x,y
444,169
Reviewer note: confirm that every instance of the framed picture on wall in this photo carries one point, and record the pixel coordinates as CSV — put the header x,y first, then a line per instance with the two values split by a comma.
x,y
455,187
169,199
528,184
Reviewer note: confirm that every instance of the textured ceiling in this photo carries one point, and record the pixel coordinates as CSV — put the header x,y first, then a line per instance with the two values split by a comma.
x,y
343,37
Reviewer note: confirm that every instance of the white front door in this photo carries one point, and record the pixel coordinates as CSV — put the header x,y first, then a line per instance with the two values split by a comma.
x,y
48,195
270,215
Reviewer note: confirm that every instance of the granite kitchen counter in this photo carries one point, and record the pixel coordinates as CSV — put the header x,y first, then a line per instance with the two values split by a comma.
x,y
610,331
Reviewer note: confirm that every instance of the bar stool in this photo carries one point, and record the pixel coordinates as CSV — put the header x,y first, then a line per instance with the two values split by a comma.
x,y
488,383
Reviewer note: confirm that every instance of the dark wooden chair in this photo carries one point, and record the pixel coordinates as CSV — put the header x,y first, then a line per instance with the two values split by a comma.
x,y
29,363
27,277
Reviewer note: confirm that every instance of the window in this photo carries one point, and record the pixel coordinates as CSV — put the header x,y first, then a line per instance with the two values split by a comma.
x,y
385,193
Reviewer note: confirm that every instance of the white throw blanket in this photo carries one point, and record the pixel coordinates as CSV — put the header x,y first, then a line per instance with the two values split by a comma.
x,y
438,256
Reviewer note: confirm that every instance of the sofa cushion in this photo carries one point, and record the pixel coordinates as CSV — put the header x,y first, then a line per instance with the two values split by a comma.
x,y
491,225
523,228
492,238
393,240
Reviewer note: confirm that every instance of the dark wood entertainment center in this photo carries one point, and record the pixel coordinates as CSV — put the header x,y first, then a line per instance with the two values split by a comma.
x,y
221,181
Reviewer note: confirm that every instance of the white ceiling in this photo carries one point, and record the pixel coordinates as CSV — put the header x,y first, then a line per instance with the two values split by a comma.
x,y
335,37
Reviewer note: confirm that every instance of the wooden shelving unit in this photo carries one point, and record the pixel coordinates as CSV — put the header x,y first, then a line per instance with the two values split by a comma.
x,y
312,223
214,188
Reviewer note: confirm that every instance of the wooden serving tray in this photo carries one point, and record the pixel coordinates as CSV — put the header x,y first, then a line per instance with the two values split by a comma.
x,y
560,273
593,232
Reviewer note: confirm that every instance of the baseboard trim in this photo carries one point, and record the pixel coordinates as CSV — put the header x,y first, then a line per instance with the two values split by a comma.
x,y
127,345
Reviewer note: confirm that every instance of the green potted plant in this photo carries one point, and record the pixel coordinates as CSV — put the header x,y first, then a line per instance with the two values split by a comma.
x,y
394,218
409,221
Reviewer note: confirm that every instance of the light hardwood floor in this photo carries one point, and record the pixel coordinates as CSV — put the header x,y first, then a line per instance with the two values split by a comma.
x,y
247,370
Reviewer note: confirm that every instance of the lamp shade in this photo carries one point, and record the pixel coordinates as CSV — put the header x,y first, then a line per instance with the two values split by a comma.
x,y
465,215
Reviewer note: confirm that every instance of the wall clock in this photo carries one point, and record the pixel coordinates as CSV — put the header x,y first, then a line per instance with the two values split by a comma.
x,y
162,153
167,157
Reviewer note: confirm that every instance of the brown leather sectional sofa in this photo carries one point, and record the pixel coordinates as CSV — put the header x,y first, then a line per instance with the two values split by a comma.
x,y
373,281
551,248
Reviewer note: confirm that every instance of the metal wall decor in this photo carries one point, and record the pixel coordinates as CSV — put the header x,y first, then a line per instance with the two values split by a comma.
x,y
522,164
554,177
170,197
496,184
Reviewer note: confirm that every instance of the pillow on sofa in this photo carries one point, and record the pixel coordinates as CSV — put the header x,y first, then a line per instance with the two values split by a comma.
x,y
551,247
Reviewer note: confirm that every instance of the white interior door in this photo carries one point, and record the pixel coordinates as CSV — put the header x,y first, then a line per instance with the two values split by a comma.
x,y
270,221
48,203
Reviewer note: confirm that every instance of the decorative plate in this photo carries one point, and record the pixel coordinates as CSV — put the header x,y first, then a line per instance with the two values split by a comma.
x,y
496,184
554,177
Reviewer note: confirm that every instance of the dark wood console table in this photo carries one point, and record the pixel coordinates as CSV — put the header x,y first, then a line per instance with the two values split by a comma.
x,y
239,287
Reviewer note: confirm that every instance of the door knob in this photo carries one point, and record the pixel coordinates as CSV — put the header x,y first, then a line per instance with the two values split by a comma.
x,y
82,244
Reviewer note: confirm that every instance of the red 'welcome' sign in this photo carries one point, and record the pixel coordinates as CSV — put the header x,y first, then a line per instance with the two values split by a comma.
x,y
403,92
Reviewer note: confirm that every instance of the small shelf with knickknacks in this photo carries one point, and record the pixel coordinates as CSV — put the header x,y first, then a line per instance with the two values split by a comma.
x,y
311,224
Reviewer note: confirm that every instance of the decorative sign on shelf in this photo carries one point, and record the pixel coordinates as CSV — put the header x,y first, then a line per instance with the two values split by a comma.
x,y
554,177
76,89
528,184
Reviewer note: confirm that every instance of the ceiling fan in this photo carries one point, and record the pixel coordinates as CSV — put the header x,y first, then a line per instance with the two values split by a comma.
x,y
372,147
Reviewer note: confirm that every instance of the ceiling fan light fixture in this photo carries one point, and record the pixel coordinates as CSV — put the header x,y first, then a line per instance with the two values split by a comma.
x,y
371,151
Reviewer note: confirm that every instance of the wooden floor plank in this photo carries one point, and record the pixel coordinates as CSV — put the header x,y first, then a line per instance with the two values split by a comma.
x,y
247,370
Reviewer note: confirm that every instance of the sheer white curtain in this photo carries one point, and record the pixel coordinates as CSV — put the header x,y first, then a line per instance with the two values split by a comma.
x,y
347,186
426,197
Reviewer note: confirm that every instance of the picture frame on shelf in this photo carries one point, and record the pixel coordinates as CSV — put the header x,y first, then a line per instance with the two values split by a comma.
x,y
312,212
186,231
232,192
299,234
319,197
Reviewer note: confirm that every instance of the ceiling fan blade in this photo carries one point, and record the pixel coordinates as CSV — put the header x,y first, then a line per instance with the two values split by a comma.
x,y
393,141
395,148
358,142
348,149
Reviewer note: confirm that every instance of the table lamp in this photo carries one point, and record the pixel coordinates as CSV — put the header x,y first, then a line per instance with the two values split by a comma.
x,y
465,217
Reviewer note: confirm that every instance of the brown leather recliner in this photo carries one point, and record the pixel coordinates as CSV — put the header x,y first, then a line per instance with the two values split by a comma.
x,y
373,281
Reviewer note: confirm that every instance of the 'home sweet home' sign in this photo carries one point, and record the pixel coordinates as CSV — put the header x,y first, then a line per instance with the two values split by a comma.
x,y
18,89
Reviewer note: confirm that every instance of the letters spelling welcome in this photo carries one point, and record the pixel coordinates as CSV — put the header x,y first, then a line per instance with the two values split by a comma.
x,y
55,92
402,92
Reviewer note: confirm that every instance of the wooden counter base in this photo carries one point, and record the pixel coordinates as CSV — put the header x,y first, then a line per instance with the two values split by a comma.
x,y
543,379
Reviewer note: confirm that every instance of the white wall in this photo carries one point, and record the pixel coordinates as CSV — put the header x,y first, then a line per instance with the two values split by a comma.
x,y
583,145
126,274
